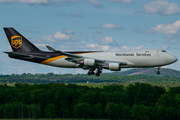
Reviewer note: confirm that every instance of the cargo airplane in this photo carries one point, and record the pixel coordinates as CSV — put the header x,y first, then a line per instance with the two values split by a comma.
x,y
94,61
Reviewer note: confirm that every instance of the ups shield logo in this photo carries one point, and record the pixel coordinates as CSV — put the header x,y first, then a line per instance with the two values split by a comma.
x,y
16,41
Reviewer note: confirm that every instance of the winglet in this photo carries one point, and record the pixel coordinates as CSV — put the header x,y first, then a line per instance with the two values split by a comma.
x,y
50,48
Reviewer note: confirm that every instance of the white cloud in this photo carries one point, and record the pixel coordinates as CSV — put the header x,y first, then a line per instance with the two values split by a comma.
x,y
39,45
104,40
24,1
60,36
111,26
121,1
105,48
170,36
139,47
47,2
68,32
161,8
48,38
125,47
64,35
108,39
81,71
63,2
166,28
165,47
94,46
96,3
34,1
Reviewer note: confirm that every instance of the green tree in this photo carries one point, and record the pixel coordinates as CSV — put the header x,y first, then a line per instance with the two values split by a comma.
x,y
126,111
164,100
146,95
110,110
171,113
177,99
50,111
119,110
160,112
139,112
97,110
152,113
82,110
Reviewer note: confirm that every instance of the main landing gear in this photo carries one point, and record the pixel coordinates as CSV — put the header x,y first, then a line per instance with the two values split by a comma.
x,y
91,72
98,72
158,72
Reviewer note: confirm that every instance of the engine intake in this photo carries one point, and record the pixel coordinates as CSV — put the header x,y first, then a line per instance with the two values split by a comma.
x,y
114,67
89,62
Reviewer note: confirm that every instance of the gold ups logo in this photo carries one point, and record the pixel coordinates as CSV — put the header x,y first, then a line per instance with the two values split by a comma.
x,y
16,41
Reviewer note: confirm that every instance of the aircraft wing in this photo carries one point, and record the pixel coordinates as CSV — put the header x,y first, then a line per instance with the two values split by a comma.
x,y
63,53
77,58
16,54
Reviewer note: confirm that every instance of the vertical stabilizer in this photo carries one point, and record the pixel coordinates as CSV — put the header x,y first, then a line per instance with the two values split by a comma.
x,y
18,42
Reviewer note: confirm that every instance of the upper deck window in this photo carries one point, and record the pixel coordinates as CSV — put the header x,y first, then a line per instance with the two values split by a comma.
x,y
163,51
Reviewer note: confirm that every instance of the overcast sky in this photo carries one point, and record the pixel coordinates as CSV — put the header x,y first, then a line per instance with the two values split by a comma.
x,y
106,25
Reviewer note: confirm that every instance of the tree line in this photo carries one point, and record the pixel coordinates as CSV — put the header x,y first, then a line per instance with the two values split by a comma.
x,y
82,78
59,100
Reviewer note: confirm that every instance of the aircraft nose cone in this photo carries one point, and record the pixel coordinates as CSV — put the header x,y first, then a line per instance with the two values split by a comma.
x,y
173,59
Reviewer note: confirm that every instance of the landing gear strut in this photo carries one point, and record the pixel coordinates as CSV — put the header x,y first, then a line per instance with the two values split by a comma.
x,y
158,72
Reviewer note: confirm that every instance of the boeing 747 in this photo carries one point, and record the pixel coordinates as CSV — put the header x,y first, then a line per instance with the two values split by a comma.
x,y
93,61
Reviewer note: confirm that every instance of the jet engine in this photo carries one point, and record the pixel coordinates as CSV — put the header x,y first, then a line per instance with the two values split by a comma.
x,y
114,67
89,62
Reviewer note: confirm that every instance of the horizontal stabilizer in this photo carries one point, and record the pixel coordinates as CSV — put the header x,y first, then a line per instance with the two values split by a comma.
x,y
24,56
17,54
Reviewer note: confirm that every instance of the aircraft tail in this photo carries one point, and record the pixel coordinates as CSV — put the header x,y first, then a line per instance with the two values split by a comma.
x,y
18,42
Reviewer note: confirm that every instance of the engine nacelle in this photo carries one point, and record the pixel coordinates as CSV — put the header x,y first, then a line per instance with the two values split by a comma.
x,y
89,62
114,67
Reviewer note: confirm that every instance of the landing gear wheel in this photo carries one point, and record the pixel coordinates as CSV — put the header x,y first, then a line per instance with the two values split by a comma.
x,y
158,72
89,73
97,74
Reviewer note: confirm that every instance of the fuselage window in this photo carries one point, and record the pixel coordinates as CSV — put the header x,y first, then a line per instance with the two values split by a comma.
x,y
163,51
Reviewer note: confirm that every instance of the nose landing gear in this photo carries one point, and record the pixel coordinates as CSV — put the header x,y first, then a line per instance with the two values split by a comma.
x,y
158,72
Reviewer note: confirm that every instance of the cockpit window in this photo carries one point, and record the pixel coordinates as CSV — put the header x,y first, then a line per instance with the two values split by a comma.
x,y
163,51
